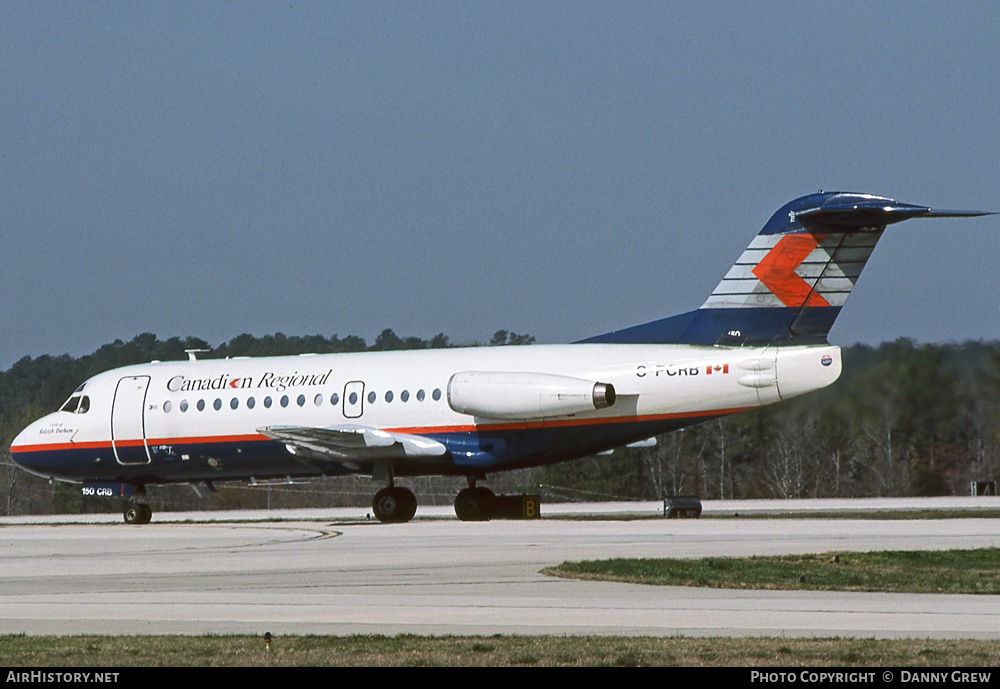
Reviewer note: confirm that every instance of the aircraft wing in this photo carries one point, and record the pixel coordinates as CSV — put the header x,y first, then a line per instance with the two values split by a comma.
x,y
351,443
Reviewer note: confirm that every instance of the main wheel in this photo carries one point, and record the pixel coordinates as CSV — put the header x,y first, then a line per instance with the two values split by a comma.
x,y
393,505
474,504
409,504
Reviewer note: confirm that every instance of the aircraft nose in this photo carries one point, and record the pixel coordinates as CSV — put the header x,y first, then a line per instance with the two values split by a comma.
x,y
21,448
17,453
45,448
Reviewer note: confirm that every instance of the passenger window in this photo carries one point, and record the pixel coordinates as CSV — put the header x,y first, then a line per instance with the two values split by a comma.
x,y
234,403
371,397
404,395
251,403
267,402
388,396
420,395
301,400
217,404
184,405
335,399
167,407
284,400
201,405
318,400
436,394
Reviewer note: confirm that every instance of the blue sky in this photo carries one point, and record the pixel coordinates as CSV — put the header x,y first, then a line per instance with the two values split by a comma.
x,y
558,169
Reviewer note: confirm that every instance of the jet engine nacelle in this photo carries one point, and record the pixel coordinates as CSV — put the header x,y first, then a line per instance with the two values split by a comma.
x,y
521,396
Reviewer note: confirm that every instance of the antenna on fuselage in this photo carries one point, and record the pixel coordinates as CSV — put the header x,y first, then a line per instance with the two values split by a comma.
x,y
192,353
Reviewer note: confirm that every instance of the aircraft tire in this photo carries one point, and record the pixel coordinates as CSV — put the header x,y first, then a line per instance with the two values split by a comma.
x,y
139,513
409,501
474,504
131,514
394,505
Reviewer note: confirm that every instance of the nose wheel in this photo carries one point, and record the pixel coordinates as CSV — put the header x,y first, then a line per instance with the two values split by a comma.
x,y
138,513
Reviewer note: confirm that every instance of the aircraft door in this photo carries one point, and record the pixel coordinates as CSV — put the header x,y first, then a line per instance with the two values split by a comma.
x,y
354,399
128,427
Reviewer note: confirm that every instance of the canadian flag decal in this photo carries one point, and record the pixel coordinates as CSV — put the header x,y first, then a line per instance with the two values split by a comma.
x,y
717,368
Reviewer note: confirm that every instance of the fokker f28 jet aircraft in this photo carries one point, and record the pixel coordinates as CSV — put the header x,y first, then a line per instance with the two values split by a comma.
x,y
759,338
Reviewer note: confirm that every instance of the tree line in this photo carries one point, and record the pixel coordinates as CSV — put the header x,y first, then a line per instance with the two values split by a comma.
x,y
904,419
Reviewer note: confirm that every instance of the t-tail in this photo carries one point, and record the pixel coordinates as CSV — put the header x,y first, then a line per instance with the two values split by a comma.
x,y
790,284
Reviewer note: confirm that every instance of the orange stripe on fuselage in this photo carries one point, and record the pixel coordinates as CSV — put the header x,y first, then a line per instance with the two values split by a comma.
x,y
430,430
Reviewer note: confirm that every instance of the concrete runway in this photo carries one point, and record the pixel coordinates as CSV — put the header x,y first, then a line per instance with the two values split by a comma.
x,y
441,576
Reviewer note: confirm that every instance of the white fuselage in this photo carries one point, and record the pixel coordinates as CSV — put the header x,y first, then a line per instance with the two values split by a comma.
x,y
192,420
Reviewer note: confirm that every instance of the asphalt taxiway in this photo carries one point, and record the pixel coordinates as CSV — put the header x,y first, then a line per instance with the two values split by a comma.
x,y
442,576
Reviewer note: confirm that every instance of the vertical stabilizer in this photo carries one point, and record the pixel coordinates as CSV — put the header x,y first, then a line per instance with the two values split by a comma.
x,y
789,285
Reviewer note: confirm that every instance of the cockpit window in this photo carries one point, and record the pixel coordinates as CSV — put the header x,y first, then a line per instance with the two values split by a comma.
x,y
77,404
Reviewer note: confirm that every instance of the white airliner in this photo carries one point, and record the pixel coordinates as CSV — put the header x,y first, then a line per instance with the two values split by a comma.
x,y
758,339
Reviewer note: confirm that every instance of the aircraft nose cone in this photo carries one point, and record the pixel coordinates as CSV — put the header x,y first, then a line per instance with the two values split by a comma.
x,y
17,455
20,448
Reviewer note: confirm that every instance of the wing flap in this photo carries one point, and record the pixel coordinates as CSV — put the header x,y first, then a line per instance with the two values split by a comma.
x,y
351,443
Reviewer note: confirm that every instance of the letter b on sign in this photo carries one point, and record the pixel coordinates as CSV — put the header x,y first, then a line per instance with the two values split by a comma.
x,y
529,508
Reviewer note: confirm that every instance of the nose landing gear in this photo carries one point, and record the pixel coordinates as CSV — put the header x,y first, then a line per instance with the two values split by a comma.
x,y
138,513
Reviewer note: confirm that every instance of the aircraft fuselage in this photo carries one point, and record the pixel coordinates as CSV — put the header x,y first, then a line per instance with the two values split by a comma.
x,y
190,421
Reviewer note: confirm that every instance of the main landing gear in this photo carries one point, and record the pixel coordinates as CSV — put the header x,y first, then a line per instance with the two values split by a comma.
x,y
474,504
394,505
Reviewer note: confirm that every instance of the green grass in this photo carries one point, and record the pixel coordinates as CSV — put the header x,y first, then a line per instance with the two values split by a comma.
x,y
946,571
108,652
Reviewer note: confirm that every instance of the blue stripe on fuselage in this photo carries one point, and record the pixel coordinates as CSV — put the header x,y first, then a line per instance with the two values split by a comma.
x,y
469,452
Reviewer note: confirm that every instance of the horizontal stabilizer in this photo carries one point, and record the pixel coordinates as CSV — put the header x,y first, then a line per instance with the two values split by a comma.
x,y
872,213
